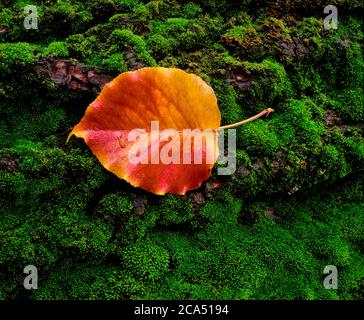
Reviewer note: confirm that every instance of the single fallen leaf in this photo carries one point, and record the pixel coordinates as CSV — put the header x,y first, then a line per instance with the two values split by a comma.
x,y
133,100
156,128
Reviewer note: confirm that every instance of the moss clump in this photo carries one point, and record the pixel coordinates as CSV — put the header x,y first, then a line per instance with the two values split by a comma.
x,y
223,201
115,204
113,63
56,49
82,47
244,37
231,111
174,211
15,55
263,38
146,260
333,160
350,104
260,85
126,39
166,37
65,17
298,124
258,138
191,10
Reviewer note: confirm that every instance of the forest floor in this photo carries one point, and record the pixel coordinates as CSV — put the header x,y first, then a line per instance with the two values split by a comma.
x,y
293,206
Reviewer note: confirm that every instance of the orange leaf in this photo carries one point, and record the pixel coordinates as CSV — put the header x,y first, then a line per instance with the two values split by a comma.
x,y
134,100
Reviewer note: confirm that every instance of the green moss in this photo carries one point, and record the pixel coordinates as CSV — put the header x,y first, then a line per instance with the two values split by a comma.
x,y
166,37
90,282
82,47
269,85
221,202
139,224
146,260
259,254
115,204
161,9
238,31
15,55
65,17
350,104
243,35
293,206
174,210
6,17
262,38
113,63
257,138
333,163
55,49
281,86
81,235
296,124
310,28
307,79
231,111
191,10
126,38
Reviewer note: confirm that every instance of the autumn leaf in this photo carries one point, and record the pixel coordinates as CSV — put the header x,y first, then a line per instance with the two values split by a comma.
x,y
156,128
134,100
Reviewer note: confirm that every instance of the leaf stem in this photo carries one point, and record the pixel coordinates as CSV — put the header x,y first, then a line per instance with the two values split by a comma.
x,y
240,123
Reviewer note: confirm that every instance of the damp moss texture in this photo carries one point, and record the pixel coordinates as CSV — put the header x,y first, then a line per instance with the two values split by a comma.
x,y
293,206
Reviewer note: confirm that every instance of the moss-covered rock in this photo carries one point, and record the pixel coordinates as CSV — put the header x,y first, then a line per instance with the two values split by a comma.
x,y
293,206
